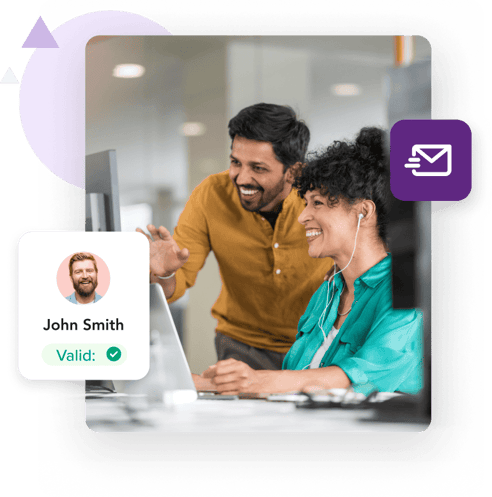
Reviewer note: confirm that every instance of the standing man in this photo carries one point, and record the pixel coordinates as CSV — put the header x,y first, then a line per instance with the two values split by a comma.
x,y
83,273
248,217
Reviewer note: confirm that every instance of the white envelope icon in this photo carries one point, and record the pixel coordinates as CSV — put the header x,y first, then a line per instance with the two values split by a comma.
x,y
414,161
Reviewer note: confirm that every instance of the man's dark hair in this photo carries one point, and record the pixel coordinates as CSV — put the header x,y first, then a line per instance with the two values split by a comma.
x,y
277,124
351,171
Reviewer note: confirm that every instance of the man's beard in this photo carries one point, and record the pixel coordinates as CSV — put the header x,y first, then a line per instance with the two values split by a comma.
x,y
247,205
265,198
85,290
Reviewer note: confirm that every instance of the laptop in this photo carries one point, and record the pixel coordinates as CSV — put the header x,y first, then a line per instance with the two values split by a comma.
x,y
169,378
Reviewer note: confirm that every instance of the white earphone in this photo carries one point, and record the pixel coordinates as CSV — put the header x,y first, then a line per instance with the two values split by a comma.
x,y
320,320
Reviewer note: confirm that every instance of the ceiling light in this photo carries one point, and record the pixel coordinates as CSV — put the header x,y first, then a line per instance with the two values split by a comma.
x,y
346,90
128,71
193,129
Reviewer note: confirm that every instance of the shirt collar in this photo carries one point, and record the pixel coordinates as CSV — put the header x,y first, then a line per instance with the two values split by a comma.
x,y
291,197
373,275
284,205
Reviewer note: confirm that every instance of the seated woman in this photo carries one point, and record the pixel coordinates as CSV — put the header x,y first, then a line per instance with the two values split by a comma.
x,y
350,334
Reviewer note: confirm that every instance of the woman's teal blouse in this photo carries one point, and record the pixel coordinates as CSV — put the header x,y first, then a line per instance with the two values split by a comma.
x,y
377,347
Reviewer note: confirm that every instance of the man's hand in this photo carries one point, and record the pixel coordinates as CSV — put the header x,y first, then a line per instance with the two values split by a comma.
x,y
231,377
165,256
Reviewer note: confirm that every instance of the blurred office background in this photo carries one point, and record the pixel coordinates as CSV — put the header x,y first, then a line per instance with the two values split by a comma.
x,y
163,103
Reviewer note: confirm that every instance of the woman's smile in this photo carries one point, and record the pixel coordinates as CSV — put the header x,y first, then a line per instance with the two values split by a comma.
x,y
313,233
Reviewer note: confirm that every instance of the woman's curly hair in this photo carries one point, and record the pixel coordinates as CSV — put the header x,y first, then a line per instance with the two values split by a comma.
x,y
351,171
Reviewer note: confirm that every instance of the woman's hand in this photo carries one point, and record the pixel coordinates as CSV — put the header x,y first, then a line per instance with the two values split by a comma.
x,y
201,383
231,377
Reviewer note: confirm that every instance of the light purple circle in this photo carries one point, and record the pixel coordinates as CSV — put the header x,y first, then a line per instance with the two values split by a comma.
x,y
52,92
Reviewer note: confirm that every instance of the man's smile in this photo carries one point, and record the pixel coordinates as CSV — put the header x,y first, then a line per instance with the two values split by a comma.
x,y
249,191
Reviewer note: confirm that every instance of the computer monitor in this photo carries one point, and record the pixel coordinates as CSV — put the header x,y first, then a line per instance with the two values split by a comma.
x,y
102,203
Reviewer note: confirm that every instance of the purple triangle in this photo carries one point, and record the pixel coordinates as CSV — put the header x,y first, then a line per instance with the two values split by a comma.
x,y
40,37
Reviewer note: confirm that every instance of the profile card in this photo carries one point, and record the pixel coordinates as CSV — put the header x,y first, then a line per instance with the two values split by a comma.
x,y
83,306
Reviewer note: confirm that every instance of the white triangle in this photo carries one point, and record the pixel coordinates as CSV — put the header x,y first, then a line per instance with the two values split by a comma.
x,y
9,78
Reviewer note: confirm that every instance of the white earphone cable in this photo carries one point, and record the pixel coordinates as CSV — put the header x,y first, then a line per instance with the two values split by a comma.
x,y
322,317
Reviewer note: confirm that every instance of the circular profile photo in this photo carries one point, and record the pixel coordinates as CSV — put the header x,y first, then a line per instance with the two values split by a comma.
x,y
83,278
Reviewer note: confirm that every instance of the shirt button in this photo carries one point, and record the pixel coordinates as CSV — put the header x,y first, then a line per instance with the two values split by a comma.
x,y
276,245
278,271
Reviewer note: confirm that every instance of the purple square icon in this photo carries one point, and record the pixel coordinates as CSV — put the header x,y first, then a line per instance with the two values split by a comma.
x,y
430,160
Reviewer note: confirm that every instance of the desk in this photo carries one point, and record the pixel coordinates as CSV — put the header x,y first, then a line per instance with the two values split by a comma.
x,y
240,431
237,416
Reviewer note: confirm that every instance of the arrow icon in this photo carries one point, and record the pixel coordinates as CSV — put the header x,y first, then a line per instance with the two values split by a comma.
x,y
9,78
40,37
